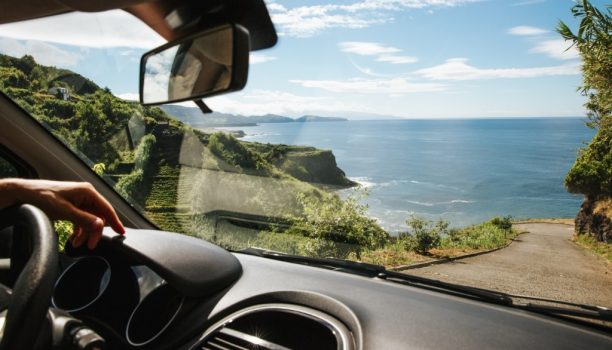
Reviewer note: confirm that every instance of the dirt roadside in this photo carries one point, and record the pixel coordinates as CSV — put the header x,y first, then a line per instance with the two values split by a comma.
x,y
543,262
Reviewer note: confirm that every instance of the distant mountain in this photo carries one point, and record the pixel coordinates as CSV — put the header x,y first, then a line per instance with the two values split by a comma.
x,y
271,118
314,118
194,117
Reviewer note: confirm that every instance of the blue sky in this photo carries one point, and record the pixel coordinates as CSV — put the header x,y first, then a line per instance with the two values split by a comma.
x,y
357,59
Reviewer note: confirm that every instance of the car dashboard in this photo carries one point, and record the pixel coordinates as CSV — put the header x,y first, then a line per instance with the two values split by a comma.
x,y
159,290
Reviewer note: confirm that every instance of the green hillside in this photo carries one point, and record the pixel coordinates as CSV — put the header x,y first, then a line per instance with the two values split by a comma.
x,y
140,148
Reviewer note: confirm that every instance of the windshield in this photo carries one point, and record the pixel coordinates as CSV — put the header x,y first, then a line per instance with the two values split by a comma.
x,y
430,137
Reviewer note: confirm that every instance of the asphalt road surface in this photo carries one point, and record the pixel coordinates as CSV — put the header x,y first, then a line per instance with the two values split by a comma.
x,y
543,263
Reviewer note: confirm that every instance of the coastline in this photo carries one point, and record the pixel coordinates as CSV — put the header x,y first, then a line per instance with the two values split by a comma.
x,y
211,130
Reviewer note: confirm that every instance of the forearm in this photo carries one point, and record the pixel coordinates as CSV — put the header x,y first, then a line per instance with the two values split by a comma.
x,y
9,192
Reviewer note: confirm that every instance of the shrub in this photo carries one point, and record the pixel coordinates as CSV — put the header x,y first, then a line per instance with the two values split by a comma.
x,y
591,174
58,108
143,156
494,233
131,186
338,226
425,234
229,149
12,77
504,223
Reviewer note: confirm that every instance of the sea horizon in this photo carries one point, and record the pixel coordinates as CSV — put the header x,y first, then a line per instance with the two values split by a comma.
x,y
465,171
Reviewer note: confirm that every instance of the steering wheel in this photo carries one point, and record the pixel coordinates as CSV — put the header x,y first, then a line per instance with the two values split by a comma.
x,y
33,287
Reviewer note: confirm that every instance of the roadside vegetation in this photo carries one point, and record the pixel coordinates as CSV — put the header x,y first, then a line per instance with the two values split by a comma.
x,y
602,249
428,240
591,174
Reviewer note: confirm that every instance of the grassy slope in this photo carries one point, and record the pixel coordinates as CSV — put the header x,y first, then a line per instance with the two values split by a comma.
x,y
602,249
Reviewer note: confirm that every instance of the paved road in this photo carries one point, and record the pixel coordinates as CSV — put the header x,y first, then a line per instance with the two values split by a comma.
x,y
542,262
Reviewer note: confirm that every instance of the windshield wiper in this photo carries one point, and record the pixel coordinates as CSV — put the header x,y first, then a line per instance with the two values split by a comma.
x,y
500,298
372,270
364,269
574,309
431,284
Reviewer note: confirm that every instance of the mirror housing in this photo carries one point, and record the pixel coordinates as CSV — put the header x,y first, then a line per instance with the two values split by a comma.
x,y
211,62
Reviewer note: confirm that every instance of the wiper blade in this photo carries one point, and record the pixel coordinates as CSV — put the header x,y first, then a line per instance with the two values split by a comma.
x,y
372,270
364,269
567,308
501,298
578,310
473,292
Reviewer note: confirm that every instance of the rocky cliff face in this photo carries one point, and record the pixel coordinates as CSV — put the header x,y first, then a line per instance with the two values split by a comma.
x,y
317,167
595,218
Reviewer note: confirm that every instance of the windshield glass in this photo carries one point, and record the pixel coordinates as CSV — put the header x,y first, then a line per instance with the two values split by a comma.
x,y
397,133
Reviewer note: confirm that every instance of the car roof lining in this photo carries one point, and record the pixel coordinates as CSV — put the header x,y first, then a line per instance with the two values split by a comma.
x,y
20,10
252,14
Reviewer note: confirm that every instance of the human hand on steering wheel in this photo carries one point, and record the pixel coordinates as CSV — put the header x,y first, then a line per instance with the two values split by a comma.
x,y
78,202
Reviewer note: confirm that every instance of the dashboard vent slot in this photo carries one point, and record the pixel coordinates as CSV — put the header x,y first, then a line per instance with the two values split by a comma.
x,y
276,327
229,339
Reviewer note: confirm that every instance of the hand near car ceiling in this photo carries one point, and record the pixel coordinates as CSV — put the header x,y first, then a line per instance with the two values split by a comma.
x,y
78,202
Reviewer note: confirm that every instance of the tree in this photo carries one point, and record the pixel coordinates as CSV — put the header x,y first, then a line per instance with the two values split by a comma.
x,y
591,174
13,77
594,42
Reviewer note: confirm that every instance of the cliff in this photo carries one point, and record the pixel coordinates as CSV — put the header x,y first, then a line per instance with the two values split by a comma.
x,y
595,218
315,166
305,163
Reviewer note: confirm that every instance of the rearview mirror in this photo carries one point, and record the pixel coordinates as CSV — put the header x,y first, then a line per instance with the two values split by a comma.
x,y
205,64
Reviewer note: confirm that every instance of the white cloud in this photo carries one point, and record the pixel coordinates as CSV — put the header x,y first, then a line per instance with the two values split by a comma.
x,y
527,31
44,53
384,53
458,69
554,48
259,102
260,58
366,48
305,21
129,96
372,86
557,48
98,30
397,59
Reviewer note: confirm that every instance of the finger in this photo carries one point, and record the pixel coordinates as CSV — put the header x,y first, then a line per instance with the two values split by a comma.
x,y
75,232
80,238
106,211
95,234
67,211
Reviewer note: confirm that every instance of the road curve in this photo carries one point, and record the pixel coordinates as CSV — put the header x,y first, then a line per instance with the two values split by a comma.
x,y
542,262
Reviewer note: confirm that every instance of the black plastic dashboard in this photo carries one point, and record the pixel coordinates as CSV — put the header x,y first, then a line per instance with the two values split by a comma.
x,y
189,287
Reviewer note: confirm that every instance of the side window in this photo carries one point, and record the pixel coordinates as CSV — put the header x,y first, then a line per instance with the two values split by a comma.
x,y
7,169
12,166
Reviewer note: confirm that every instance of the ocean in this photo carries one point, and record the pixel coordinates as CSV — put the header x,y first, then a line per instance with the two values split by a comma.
x,y
464,171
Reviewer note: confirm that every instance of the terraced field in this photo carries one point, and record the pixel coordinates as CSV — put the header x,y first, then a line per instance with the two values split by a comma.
x,y
165,205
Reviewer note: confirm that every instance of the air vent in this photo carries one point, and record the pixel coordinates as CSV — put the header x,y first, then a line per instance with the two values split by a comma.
x,y
276,327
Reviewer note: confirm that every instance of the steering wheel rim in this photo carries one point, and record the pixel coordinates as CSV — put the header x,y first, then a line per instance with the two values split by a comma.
x,y
33,288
